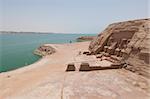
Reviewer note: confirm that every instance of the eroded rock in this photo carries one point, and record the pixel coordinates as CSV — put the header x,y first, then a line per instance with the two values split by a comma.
x,y
129,40
44,50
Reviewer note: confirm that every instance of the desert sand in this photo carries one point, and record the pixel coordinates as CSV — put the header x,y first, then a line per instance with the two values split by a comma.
x,y
47,79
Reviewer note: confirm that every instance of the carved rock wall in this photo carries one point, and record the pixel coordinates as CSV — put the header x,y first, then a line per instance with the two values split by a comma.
x,y
129,40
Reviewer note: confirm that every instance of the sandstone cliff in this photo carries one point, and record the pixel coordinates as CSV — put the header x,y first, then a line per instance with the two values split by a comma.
x,y
128,40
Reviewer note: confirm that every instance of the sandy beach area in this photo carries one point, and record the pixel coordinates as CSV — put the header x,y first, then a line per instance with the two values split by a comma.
x,y
47,79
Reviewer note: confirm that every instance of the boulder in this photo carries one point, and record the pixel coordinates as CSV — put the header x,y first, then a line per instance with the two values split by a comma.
x,y
99,56
44,50
86,52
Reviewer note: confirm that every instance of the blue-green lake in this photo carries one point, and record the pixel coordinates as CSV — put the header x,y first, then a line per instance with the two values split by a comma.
x,y
16,50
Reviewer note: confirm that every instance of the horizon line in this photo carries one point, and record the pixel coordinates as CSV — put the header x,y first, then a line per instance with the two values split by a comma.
x,y
45,32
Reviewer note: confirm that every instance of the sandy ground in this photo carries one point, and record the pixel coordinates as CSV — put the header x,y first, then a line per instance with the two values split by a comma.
x,y
47,79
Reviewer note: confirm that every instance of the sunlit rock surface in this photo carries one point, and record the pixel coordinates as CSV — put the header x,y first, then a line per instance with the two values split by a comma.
x,y
129,40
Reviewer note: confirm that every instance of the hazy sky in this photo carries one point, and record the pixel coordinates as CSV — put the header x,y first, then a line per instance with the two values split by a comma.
x,y
69,16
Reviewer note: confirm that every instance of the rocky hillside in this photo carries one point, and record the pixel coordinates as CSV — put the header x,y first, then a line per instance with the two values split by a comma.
x,y
129,40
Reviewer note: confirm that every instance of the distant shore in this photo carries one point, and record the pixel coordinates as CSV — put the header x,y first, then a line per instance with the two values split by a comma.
x,y
85,38
22,32
13,32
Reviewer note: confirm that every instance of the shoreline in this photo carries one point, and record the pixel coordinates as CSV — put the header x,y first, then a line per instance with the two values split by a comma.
x,y
41,57
19,53
47,78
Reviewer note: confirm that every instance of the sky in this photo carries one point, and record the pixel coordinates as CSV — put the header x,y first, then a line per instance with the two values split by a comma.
x,y
68,16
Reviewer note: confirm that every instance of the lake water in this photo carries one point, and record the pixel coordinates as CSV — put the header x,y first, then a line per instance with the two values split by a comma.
x,y
16,50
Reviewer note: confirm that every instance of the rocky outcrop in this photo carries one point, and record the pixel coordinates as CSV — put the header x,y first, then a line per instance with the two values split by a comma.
x,y
129,40
44,50
85,38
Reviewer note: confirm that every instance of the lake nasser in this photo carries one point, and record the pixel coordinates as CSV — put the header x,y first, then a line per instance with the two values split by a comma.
x,y
17,49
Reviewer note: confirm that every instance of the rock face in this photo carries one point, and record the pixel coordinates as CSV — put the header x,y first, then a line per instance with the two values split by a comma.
x,y
44,50
129,40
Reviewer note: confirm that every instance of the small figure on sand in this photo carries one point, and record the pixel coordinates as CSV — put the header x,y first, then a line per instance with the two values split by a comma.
x,y
79,53
70,41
